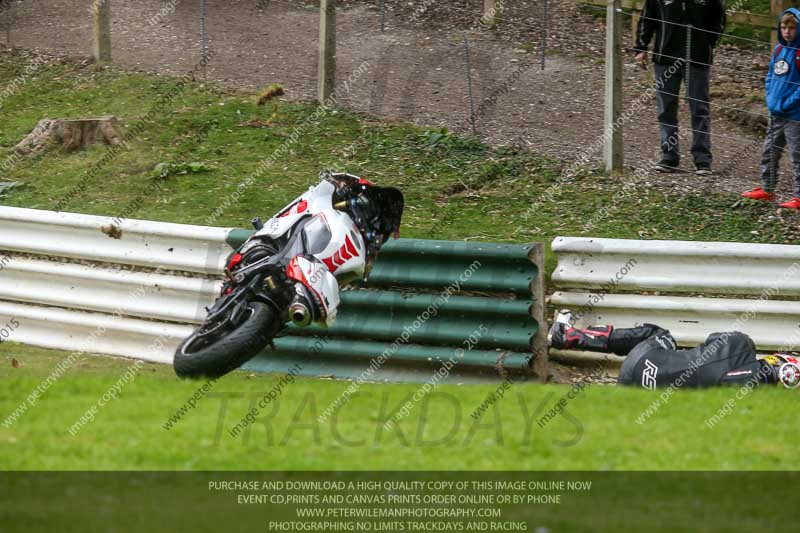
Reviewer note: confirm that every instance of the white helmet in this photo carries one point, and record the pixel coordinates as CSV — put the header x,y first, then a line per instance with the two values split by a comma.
x,y
788,369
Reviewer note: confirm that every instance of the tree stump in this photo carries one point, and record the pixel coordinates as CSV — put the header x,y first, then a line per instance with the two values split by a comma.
x,y
70,134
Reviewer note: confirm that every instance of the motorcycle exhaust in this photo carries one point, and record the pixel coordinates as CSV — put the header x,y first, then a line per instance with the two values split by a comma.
x,y
301,315
301,311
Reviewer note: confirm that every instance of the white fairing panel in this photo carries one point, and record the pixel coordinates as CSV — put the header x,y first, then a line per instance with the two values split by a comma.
x,y
323,284
315,200
345,251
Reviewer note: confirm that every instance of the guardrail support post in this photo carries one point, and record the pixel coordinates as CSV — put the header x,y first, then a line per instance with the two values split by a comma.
x,y
612,128
326,76
101,15
541,359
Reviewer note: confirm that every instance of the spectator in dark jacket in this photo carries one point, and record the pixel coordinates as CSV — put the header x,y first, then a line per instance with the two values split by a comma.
x,y
685,33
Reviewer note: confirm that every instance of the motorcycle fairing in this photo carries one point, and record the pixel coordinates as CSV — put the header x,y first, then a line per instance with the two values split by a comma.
x,y
330,235
320,281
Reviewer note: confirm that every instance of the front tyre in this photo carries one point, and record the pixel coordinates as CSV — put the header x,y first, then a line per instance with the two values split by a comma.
x,y
229,352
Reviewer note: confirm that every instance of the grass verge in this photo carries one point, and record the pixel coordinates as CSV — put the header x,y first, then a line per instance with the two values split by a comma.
x,y
598,430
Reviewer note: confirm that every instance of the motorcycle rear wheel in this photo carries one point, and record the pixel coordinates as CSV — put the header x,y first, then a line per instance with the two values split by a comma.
x,y
230,351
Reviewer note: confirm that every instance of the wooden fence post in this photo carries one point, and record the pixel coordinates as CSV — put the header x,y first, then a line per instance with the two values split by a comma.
x,y
776,7
490,13
612,127
636,14
7,16
326,76
101,15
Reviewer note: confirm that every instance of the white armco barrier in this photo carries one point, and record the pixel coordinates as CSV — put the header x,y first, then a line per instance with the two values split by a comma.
x,y
676,266
85,283
126,242
152,295
623,283
51,327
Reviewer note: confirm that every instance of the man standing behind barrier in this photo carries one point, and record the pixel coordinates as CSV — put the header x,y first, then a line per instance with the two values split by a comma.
x,y
685,32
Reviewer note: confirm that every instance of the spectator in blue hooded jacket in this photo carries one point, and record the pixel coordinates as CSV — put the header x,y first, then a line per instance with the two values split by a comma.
x,y
783,101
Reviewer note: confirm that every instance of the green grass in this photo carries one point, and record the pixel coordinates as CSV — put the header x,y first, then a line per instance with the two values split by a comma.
x,y
455,189
599,433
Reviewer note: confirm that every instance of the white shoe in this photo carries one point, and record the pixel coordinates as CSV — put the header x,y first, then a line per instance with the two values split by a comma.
x,y
565,317
562,322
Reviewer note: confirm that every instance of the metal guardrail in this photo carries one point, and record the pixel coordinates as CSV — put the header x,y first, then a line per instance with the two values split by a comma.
x,y
597,279
133,242
73,330
504,293
100,288
75,283
676,266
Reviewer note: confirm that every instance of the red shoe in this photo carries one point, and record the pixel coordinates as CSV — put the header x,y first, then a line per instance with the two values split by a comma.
x,y
758,194
794,203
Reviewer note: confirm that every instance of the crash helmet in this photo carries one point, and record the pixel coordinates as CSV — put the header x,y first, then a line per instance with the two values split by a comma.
x,y
788,368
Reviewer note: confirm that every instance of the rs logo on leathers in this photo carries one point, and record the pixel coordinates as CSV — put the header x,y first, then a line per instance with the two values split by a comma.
x,y
649,375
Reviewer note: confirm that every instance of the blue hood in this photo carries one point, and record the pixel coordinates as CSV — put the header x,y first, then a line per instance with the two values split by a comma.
x,y
796,42
783,78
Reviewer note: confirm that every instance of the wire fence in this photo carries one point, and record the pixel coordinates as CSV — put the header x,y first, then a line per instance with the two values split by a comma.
x,y
524,72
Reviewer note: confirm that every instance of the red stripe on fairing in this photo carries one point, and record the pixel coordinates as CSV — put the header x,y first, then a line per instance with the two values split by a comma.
x,y
350,246
329,263
346,252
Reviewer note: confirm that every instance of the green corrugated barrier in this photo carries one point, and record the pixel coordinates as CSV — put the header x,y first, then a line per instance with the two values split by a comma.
x,y
477,305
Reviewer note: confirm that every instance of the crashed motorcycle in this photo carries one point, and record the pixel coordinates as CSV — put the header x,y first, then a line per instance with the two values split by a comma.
x,y
290,270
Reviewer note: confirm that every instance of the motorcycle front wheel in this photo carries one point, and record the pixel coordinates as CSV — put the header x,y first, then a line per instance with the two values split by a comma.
x,y
196,359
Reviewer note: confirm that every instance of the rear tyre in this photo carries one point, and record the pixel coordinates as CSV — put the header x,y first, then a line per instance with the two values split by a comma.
x,y
230,351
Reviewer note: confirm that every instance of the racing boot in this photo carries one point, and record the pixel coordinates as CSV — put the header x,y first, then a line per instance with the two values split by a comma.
x,y
593,338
